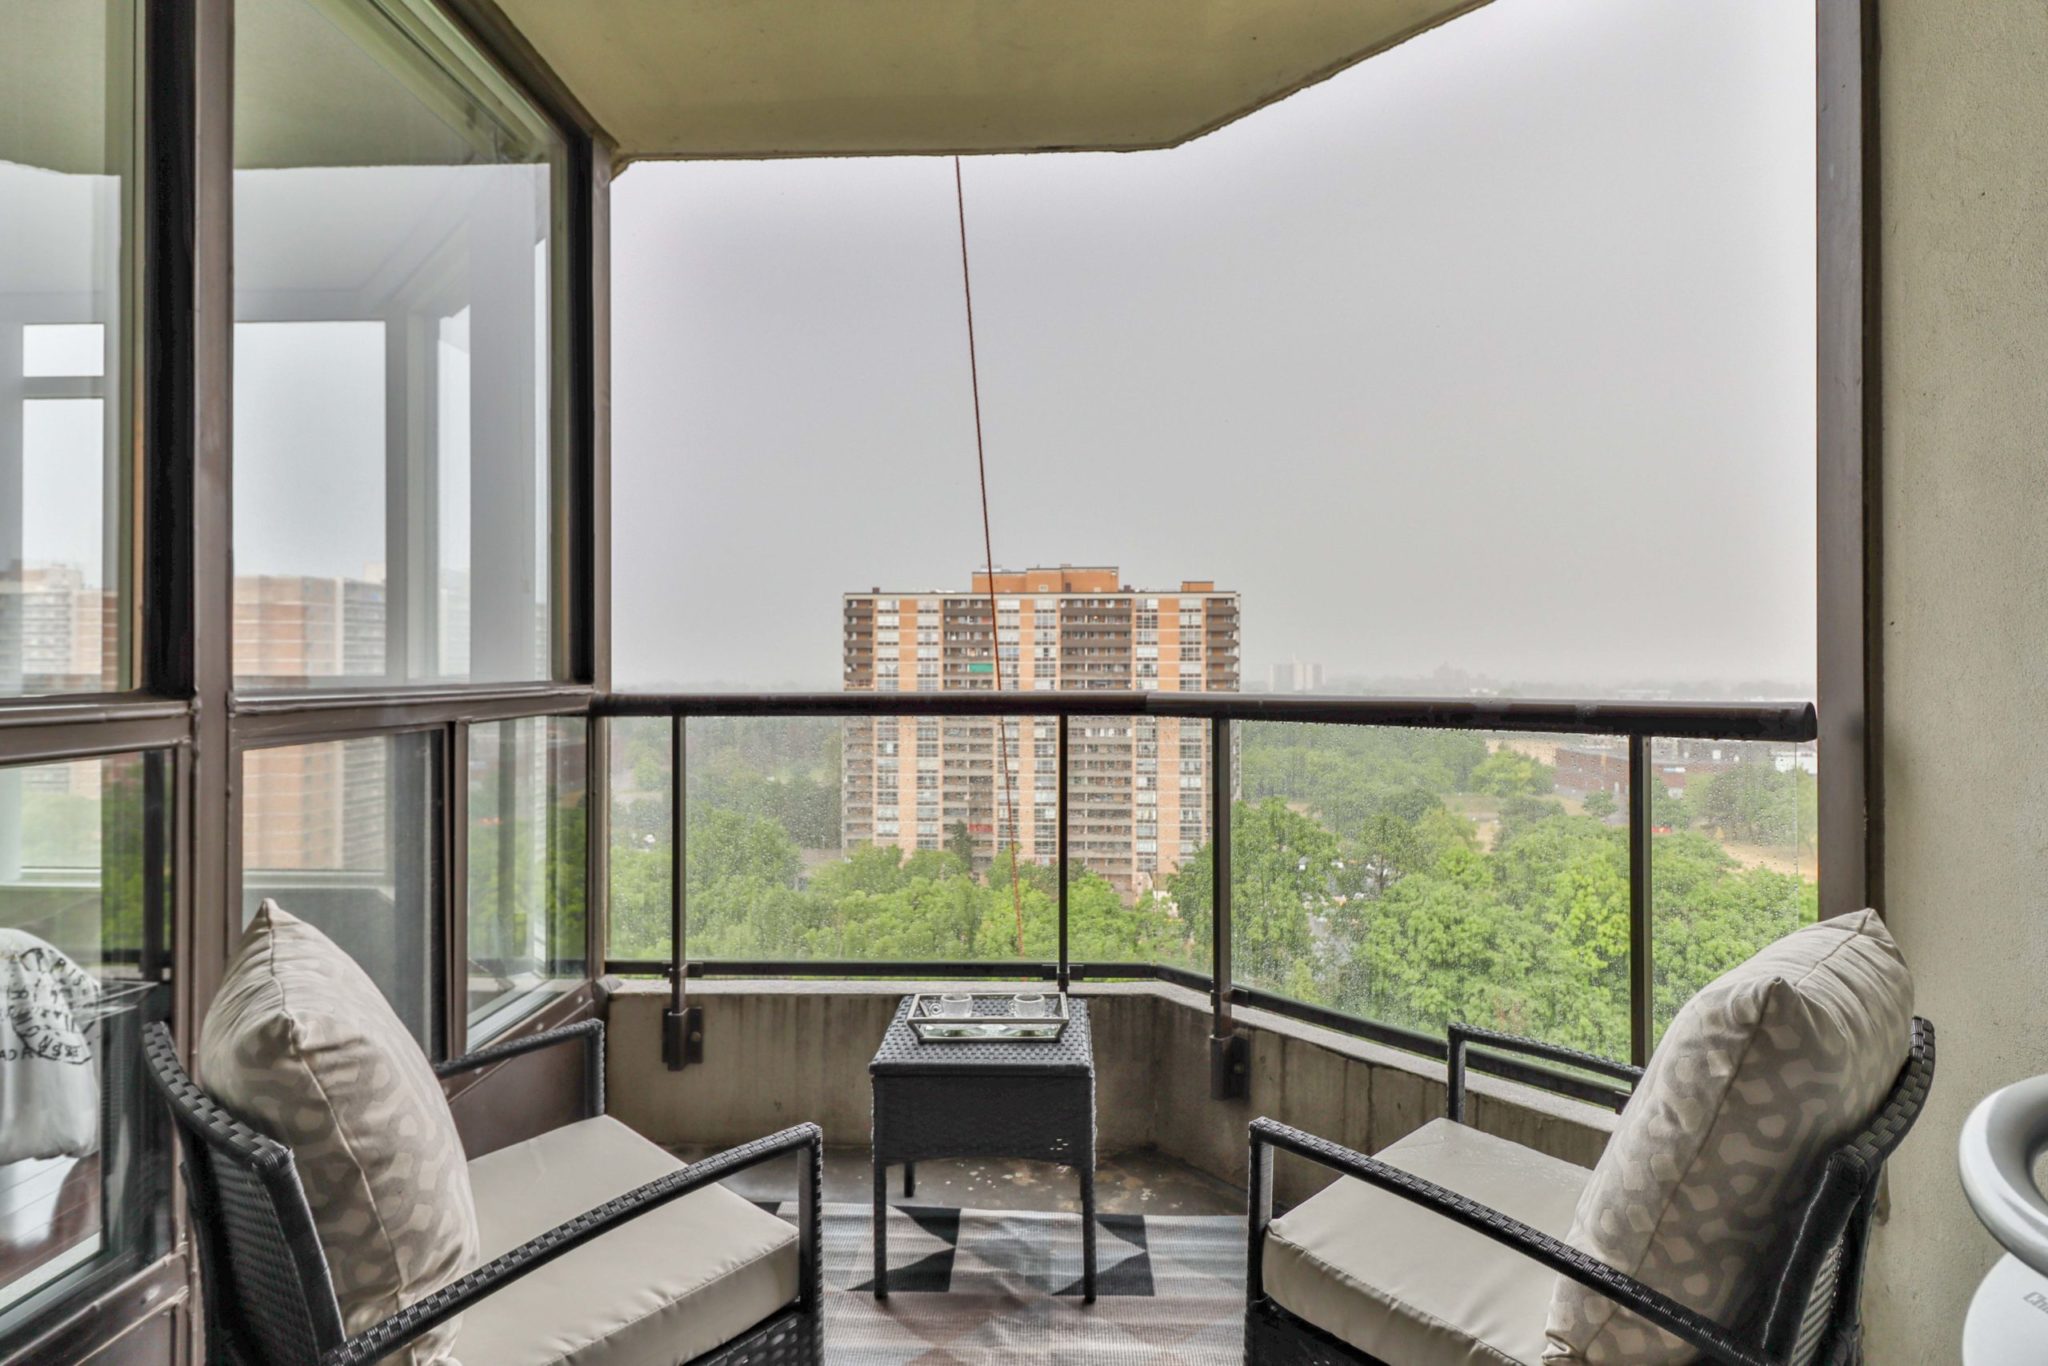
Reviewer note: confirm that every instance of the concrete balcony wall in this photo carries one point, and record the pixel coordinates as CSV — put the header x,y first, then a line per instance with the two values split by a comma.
x,y
777,1053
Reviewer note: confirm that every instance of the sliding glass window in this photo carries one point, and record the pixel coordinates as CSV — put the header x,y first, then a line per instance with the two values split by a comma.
x,y
66,193
395,368
83,949
342,834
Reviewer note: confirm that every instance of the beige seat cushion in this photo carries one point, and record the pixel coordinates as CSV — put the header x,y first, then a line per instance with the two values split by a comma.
x,y
301,1044
1760,1074
664,1288
1407,1285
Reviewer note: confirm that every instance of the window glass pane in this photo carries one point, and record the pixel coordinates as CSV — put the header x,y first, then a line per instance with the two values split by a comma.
x,y
1138,835
82,949
66,150
637,918
1733,857
63,350
394,414
341,834
924,866
61,614
1422,877
528,867
818,838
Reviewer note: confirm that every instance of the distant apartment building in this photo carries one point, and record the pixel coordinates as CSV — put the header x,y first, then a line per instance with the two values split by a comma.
x,y
1588,766
322,808
56,632
312,807
1295,676
1138,800
290,628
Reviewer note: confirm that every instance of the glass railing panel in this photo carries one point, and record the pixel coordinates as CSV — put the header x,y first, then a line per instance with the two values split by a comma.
x,y
1734,860
637,924
1421,877
942,853
1138,837
878,839
340,833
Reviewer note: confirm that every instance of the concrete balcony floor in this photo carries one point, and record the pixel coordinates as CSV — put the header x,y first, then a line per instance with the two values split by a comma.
x,y
1140,1181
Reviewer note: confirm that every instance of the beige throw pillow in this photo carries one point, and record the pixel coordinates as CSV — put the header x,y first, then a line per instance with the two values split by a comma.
x,y
302,1045
1759,1076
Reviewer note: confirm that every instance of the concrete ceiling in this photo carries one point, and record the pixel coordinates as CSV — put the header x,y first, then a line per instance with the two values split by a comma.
x,y
57,66
752,78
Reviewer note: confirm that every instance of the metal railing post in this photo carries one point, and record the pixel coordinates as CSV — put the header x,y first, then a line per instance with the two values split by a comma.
x,y
1228,1053
682,1032
1641,984
1061,856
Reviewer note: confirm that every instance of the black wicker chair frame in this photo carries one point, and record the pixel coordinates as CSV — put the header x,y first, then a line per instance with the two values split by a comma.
x,y
269,1299
1813,1310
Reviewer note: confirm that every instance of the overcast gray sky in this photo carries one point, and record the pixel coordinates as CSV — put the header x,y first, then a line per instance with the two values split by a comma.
x,y
1495,351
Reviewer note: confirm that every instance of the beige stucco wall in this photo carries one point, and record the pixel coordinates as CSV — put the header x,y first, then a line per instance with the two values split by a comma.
x,y
1964,146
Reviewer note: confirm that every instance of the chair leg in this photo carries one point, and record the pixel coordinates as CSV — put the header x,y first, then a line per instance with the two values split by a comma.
x,y
909,1179
1259,1213
810,1197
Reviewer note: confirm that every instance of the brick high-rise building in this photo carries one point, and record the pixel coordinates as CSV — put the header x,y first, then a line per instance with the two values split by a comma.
x,y
58,632
1139,799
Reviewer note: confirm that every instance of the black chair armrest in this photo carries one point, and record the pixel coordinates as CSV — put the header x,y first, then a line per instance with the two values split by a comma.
x,y
589,1032
388,1335
1695,1330
1462,1035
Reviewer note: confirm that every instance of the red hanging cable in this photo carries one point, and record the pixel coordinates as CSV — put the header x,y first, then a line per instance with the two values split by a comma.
x,y
988,551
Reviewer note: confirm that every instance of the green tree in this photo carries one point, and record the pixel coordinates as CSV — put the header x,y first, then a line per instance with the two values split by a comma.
x,y
1669,810
1282,865
960,843
1191,889
1520,813
1509,773
1388,849
1752,802
1599,804
872,868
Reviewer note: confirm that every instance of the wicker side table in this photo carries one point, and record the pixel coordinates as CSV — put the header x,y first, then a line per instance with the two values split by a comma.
x,y
1025,1100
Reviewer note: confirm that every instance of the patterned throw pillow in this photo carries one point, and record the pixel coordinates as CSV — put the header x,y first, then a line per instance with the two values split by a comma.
x,y
301,1045
1763,1072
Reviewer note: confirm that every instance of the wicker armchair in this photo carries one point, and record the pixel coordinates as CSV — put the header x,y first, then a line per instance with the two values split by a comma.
x,y
1812,1314
269,1298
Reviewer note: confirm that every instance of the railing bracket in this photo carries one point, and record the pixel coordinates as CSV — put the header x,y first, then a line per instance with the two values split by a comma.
x,y
1230,1057
682,1037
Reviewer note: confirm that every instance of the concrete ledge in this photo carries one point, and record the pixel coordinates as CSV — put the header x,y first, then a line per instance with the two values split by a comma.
x,y
779,1052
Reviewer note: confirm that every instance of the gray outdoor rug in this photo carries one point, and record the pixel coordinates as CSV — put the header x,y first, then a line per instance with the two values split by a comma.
x,y
988,1286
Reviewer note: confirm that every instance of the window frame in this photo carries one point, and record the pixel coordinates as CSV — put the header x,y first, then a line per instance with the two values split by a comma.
x,y
176,384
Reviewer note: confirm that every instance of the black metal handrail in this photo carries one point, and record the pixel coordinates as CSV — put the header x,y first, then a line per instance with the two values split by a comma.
x,y
1638,722
1787,721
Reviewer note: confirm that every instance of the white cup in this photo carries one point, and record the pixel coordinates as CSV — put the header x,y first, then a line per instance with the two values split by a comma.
x,y
1029,1004
953,1007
